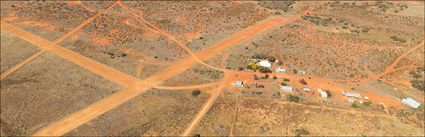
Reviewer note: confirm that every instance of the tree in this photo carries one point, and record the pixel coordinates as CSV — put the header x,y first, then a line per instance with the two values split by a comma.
x,y
196,92
274,77
286,79
266,76
252,66
295,71
265,70
418,84
292,98
271,58
302,81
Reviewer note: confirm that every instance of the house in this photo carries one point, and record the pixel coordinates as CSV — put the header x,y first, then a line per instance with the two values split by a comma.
x,y
366,98
239,83
286,88
306,89
265,63
410,102
351,94
302,72
280,70
323,94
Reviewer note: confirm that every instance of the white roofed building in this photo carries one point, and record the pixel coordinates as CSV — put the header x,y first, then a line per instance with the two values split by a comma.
x,y
410,102
239,83
265,63
286,88
280,70
351,94
323,94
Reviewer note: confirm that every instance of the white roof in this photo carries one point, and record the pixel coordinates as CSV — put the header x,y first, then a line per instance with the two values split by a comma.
x,y
280,70
323,94
239,83
265,63
410,102
351,94
286,88
306,89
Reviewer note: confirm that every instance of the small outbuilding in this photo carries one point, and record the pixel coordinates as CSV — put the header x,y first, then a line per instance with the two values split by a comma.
x,y
323,94
306,90
351,94
410,102
239,83
286,88
280,70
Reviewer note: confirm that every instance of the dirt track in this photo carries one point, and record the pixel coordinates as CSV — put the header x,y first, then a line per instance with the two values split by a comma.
x,y
156,29
78,118
217,91
87,63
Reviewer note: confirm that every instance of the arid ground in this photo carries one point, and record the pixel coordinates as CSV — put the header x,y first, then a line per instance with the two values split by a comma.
x,y
173,68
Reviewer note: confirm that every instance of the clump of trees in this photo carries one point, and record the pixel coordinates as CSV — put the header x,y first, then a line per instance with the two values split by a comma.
x,y
418,84
263,56
255,67
196,92
265,70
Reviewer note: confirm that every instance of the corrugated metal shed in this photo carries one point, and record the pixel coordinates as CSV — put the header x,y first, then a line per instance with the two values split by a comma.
x,y
410,102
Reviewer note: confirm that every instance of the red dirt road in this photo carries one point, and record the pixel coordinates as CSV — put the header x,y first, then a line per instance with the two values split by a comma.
x,y
80,117
60,39
87,63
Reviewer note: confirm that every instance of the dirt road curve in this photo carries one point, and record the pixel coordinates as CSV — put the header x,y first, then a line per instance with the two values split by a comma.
x,y
80,117
87,63
398,59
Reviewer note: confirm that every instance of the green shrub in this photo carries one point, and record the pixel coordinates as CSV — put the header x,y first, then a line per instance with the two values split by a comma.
x,y
292,98
196,92
301,131
264,70
367,103
418,84
354,105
